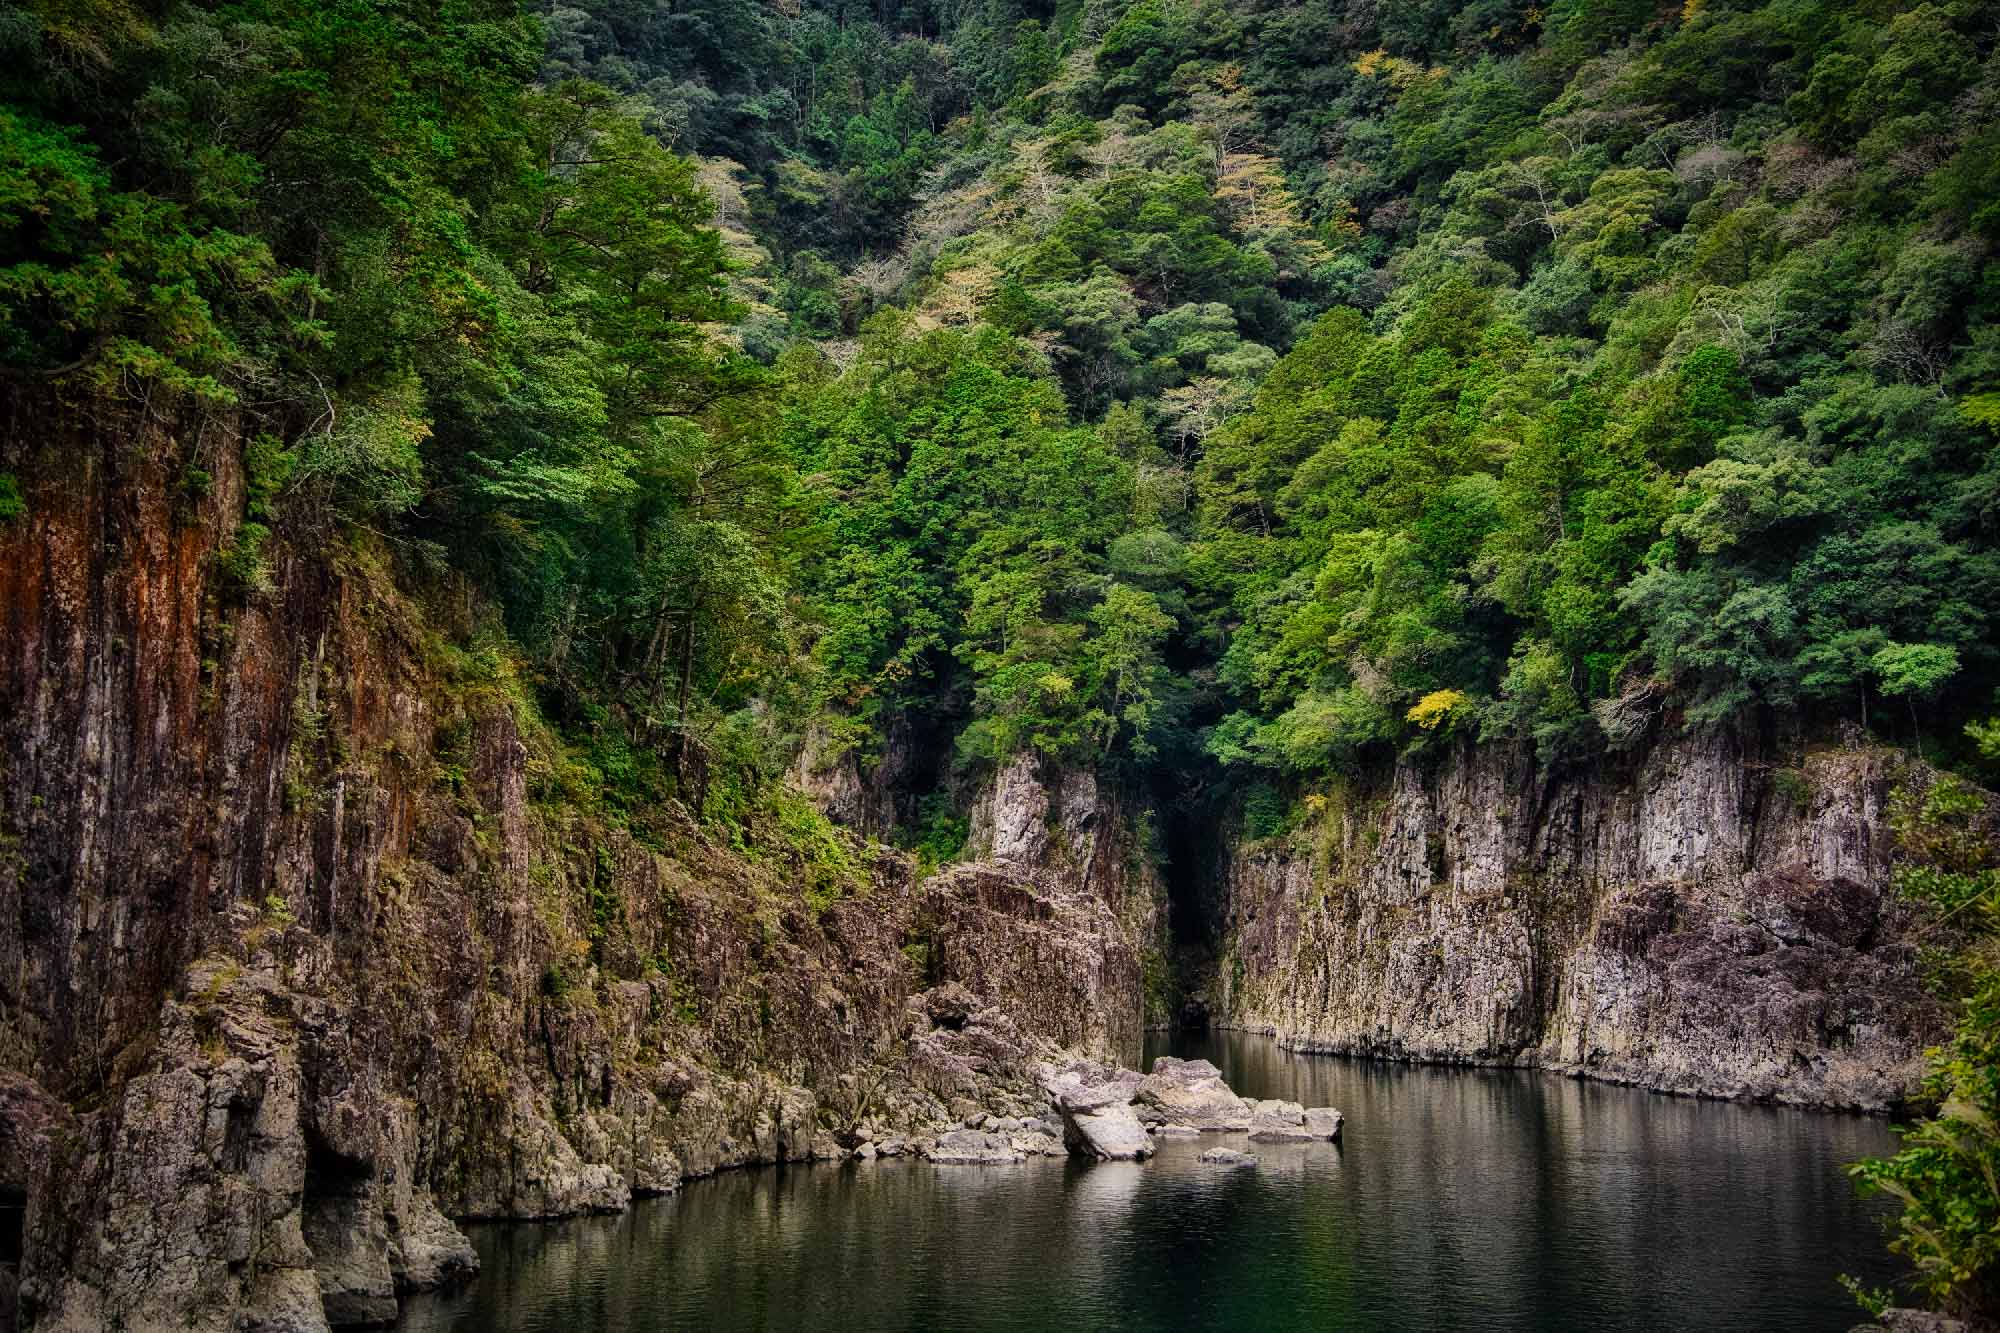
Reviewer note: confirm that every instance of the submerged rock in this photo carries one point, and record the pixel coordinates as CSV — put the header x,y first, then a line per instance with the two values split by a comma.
x,y
1191,1093
1227,1157
1323,1122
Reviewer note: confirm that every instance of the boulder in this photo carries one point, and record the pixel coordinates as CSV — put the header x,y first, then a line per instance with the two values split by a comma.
x,y
973,1147
1278,1122
1323,1122
1082,1086
1113,1134
1096,1105
1190,1093
1288,1122
1227,1157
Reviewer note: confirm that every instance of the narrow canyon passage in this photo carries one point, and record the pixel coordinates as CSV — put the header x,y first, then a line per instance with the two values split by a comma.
x,y
1457,1199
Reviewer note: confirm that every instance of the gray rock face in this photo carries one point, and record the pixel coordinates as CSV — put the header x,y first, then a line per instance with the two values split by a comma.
x,y
1702,923
1227,1157
1075,837
1191,1093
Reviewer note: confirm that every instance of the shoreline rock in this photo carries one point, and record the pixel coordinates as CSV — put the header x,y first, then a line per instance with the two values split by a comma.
x,y
1289,1122
973,1147
1112,1114
1096,1105
1190,1093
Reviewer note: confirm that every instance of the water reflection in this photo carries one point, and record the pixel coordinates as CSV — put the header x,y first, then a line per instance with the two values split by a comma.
x,y
1461,1199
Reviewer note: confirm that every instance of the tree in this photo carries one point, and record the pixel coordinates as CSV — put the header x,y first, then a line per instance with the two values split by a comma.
x,y
1914,671
1946,1177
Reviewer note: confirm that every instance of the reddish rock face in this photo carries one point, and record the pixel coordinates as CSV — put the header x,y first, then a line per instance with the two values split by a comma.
x,y
302,954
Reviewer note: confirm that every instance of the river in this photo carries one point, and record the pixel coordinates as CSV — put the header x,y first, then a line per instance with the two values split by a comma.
x,y
1461,1199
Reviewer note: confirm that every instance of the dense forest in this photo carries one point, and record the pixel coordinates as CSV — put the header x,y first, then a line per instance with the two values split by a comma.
x,y
1222,396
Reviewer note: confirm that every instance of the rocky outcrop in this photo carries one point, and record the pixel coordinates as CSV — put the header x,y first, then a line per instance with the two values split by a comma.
x,y
317,940
1113,1115
1699,922
1229,1157
1046,842
1083,840
1289,1122
1096,1105
1189,1094
1071,970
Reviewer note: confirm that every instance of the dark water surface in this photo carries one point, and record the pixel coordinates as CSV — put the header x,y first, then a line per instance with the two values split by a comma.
x,y
1461,1199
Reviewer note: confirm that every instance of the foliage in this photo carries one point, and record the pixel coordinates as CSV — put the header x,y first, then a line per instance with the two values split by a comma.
x,y
1947,1174
1219,397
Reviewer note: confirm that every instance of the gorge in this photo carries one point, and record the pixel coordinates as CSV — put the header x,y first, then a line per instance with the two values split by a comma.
x,y
595,593
298,995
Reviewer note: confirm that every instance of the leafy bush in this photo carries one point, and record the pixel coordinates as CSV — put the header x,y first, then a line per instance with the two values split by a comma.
x,y
1947,1174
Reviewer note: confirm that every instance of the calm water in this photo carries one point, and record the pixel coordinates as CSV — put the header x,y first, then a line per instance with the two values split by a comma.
x,y
1461,1199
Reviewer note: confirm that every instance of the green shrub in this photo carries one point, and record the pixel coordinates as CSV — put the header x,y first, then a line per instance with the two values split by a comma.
x,y
1266,813
243,564
1947,1175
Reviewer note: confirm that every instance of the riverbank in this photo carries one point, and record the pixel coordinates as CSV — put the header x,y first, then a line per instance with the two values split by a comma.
x,y
1490,1198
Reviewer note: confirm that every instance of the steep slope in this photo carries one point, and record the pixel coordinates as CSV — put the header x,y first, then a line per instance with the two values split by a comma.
x,y
309,945
1696,921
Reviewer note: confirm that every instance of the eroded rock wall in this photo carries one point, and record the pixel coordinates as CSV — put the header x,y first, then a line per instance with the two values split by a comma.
x,y
1051,847
1703,921
307,946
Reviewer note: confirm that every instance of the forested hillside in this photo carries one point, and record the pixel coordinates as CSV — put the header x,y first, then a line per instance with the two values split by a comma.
x,y
1224,398
1284,384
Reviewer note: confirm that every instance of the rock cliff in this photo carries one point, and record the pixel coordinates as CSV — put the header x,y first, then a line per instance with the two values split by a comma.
x,y
310,944
314,943
1700,921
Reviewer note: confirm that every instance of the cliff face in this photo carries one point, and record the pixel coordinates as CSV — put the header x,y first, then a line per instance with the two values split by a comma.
x,y
1702,922
1055,830
309,944
306,950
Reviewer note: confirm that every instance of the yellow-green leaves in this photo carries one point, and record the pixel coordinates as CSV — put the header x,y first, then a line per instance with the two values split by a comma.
x,y
1437,708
